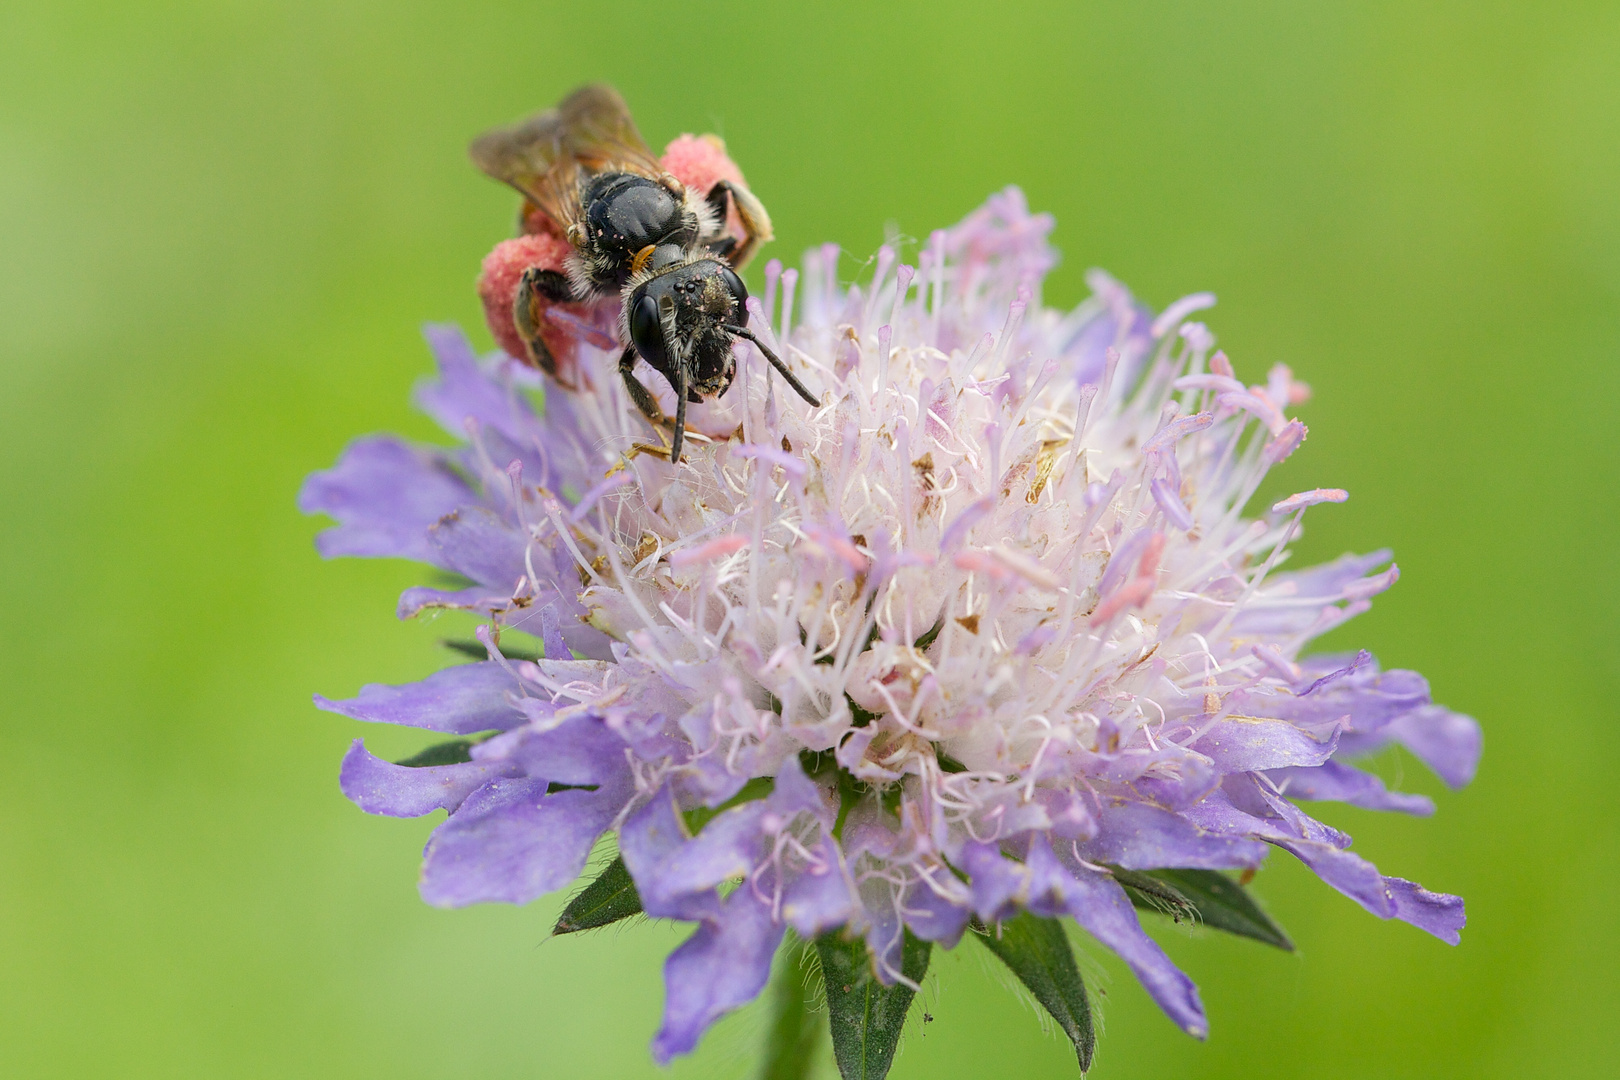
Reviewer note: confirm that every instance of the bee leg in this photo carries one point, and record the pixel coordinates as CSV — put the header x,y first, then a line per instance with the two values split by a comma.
x,y
756,222
722,247
679,438
537,288
551,284
638,393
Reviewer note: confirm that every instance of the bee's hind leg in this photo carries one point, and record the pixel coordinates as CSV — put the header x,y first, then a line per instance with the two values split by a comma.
x,y
538,289
756,222
722,247
551,284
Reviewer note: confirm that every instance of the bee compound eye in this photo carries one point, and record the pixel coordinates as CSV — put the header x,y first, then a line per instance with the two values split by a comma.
x,y
739,292
647,331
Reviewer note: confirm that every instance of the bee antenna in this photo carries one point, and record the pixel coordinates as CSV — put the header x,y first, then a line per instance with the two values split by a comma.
x,y
776,362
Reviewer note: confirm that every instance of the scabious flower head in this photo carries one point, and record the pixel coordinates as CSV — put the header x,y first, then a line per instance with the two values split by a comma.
x,y
984,633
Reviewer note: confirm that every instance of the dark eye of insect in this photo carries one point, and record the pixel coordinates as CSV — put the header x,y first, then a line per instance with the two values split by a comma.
x,y
739,293
647,332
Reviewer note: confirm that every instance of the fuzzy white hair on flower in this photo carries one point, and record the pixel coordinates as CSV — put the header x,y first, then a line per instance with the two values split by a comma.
x,y
987,635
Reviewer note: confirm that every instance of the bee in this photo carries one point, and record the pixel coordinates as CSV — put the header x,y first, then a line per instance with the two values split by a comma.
x,y
636,232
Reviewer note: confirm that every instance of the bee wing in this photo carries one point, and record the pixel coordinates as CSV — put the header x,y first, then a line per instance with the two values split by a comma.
x,y
545,156
601,133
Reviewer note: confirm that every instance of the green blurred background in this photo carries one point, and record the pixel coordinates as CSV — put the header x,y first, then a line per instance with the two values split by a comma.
x,y
221,224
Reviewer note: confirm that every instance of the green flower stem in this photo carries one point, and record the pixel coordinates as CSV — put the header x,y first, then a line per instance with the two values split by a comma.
x,y
795,1021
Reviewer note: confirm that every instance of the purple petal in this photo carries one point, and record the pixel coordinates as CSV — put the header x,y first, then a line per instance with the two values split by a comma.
x,y
1096,902
999,885
1179,777
511,842
531,613
1388,898
555,454
1370,698
796,793
820,897
1070,817
464,391
647,840
1250,745
478,543
1139,836
885,930
934,916
1345,871
1319,848
1362,659
570,461
581,750
1334,781
729,846
384,494
722,966
381,787
1328,580
551,633
461,700
481,545
1445,741
1175,511
1126,331
707,780
486,602
1266,803
1440,914
1240,810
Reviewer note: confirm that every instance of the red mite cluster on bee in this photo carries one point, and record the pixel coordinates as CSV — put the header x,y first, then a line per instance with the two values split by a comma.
x,y
603,218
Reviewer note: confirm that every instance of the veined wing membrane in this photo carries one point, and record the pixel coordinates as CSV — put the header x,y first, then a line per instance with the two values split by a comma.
x,y
546,156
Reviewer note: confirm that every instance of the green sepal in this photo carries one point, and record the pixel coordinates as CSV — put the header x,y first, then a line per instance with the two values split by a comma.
x,y
453,752
1153,894
606,900
795,1026
933,632
450,580
477,651
864,1015
1206,895
754,790
1037,951
859,717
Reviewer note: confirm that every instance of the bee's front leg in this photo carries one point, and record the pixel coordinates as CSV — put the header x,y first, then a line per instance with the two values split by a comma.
x,y
638,393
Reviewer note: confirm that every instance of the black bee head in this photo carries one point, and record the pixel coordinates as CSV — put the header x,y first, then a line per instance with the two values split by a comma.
x,y
678,322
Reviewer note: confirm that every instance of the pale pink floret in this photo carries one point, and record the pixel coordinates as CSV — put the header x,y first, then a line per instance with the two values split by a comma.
x,y
1311,498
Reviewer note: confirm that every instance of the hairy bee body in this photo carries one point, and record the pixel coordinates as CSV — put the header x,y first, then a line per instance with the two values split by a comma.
x,y
684,312
637,232
621,215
